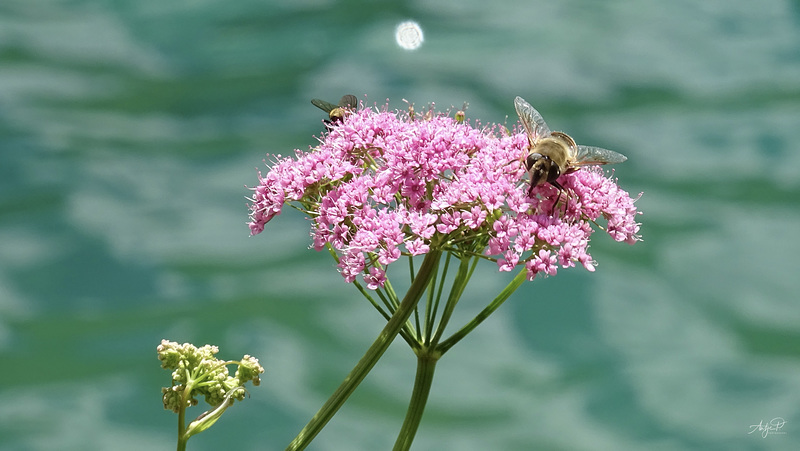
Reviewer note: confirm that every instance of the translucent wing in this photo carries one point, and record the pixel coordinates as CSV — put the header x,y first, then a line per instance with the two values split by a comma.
x,y
323,105
531,119
595,155
348,101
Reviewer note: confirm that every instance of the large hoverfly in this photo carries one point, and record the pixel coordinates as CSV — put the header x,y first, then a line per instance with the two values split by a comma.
x,y
551,154
336,113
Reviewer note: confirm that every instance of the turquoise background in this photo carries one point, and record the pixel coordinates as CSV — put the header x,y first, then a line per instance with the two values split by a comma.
x,y
129,128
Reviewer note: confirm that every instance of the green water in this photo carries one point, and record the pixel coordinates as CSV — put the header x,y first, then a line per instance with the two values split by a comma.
x,y
128,130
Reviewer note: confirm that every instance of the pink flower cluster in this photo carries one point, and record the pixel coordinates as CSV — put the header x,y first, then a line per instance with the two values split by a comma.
x,y
381,185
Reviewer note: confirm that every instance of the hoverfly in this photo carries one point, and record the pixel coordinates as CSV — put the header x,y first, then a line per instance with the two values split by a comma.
x,y
462,113
551,154
336,113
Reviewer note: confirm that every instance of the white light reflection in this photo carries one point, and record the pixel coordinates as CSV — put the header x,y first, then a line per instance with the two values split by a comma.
x,y
408,35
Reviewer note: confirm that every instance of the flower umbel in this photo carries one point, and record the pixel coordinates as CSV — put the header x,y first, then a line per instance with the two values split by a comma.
x,y
382,185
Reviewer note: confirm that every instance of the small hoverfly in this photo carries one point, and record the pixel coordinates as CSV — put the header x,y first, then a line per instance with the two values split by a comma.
x,y
551,154
462,113
336,113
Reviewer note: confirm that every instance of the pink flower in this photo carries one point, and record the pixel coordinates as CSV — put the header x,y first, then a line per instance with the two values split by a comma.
x,y
474,217
380,185
376,278
417,246
509,261
543,261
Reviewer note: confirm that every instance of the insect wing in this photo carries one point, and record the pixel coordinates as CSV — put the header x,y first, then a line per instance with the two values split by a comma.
x,y
348,101
323,105
587,155
531,119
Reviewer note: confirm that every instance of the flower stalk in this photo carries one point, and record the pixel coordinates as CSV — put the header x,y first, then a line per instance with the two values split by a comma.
x,y
426,365
404,309
445,345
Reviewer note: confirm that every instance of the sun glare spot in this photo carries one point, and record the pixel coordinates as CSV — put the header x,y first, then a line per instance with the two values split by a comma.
x,y
408,35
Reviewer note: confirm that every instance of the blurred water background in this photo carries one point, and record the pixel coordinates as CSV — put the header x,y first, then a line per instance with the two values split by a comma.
x,y
129,128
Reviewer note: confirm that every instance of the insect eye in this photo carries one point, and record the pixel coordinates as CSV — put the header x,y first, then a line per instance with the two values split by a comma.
x,y
532,159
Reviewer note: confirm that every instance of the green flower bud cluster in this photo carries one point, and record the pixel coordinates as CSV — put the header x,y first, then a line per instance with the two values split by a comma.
x,y
196,372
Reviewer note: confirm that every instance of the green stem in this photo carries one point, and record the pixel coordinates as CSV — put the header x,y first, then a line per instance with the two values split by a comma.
x,y
426,365
363,367
182,439
494,305
459,285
